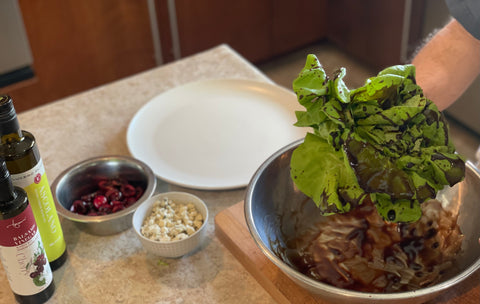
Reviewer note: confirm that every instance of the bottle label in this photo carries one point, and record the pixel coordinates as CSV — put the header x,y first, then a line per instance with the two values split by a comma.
x,y
35,183
23,255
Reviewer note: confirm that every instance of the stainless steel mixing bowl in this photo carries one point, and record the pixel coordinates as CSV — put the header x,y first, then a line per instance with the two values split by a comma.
x,y
276,210
82,178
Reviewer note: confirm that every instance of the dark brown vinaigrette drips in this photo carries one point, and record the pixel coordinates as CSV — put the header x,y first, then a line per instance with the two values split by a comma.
x,y
360,251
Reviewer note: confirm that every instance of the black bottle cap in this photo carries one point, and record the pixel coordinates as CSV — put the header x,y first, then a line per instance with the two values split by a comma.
x,y
6,187
4,174
8,117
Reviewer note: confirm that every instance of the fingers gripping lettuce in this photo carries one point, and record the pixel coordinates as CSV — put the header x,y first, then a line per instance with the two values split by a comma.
x,y
384,141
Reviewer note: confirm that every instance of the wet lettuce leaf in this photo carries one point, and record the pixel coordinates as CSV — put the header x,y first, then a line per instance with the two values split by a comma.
x,y
384,141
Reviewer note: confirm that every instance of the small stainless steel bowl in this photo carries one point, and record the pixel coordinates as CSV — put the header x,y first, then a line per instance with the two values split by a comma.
x,y
82,178
276,210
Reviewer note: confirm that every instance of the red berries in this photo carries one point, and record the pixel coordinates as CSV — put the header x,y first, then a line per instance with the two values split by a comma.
x,y
39,266
112,196
99,200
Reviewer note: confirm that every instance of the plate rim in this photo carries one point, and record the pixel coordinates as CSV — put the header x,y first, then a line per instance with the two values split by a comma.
x,y
242,83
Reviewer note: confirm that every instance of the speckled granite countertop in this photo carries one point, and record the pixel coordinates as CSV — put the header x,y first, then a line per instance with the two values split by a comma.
x,y
116,269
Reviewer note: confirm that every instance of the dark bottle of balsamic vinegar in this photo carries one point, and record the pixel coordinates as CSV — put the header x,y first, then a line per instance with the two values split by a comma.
x,y
21,154
21,248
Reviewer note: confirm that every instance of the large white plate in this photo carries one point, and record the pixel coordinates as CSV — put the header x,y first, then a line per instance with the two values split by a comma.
x,y
213,134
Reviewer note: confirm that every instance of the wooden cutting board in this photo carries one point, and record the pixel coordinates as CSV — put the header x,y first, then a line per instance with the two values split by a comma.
x,y
231,229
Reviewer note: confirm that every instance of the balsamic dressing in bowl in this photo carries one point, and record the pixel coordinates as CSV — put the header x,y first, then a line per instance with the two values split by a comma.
x,y
360,251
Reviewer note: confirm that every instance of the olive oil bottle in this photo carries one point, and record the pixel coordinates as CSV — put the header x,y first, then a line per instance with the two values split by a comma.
x,y
21,154
21,248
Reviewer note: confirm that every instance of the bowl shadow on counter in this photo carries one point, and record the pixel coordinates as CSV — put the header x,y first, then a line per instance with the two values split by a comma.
x,y
208,255
277,211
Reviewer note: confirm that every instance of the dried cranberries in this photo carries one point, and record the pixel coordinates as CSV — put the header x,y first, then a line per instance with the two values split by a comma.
x,y
111,196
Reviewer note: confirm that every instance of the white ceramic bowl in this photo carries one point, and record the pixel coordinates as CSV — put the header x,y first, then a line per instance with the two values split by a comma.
x,y
171,249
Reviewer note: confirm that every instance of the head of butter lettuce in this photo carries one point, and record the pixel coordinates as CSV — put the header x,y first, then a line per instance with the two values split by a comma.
x,y
383,141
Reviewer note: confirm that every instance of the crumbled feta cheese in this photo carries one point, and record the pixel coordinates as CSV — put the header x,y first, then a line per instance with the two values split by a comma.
x,y
170,221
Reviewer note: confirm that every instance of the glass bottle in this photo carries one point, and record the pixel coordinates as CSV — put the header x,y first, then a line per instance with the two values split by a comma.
x,y
21,154
21,248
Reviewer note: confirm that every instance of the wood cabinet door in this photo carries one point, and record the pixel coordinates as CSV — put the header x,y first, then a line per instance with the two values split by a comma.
x,y
257,29
297,24
245,25
77,45
377,32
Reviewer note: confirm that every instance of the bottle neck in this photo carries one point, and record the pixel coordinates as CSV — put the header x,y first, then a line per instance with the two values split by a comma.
x,y
9,126
7,193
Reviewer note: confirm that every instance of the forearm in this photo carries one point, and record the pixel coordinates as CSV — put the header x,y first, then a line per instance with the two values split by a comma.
x,y
448,64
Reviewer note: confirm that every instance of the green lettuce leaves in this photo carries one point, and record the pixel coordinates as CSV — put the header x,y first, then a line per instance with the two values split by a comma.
x,y
384,141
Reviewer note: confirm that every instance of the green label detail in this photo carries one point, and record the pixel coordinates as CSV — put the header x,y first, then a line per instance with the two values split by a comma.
x,y
35,183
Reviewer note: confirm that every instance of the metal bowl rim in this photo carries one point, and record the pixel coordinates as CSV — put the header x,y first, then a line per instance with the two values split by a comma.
x,y
427,291
103,218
